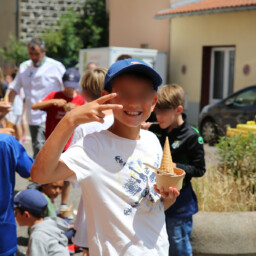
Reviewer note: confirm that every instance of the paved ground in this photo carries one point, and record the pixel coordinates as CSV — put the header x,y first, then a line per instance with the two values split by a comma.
x,y
210,156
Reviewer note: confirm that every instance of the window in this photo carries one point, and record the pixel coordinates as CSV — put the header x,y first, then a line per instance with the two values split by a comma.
x,y
246,99
222,72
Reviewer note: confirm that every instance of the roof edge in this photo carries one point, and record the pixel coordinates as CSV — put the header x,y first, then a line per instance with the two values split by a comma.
x,y
208,11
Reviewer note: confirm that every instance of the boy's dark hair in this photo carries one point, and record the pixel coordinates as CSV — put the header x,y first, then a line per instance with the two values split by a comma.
x,y
134,74
35,215
170,97
123,57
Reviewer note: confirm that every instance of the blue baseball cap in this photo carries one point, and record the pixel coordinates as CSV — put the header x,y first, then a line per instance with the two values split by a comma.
x,y
129,65
30,200
71,78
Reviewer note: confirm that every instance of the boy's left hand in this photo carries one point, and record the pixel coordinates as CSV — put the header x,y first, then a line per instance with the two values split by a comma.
x,y
173,193
169,197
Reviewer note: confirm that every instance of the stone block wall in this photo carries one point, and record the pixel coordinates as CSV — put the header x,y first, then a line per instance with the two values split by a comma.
x,y
36,16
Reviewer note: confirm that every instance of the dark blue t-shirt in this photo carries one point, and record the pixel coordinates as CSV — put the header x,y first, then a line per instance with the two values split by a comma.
x,y
13,158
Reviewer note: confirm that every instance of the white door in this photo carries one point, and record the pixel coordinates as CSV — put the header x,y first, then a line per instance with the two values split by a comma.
x,y
222,73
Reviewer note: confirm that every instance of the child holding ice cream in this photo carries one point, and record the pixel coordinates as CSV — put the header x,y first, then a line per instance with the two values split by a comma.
x,y
125,213
187,151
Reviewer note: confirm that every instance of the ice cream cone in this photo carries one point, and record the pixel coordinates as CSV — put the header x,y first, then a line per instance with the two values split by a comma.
x,y
167,164
167,180
9,124
65,213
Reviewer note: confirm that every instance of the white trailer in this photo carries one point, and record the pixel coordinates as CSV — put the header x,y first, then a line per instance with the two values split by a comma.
x,y
106,56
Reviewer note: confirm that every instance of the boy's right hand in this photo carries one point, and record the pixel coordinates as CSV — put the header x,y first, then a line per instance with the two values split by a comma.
x,y
59,102
93,111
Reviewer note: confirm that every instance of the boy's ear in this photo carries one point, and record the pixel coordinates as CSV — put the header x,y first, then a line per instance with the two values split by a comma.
x,y
104,92
26,214
179,110
154,103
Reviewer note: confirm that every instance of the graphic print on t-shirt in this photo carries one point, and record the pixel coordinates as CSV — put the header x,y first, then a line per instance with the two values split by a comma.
x,y
139,186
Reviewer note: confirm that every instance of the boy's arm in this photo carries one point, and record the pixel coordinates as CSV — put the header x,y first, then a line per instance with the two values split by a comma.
x,y
196,166
49,103
47,167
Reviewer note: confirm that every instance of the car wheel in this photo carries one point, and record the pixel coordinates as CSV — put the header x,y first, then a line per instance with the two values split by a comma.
x,y
209,132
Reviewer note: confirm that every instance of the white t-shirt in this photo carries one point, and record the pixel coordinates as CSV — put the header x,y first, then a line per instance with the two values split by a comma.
x,y
125,216
88,128
81,236
38,82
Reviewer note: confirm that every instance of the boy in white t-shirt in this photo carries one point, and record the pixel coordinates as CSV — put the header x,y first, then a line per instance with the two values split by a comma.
x,y
125,211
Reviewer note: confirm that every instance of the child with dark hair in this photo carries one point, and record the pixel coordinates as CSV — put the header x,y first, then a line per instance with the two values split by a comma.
x,y
47,236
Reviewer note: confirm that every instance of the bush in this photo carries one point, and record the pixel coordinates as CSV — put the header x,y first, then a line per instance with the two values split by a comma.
x,y
230,185
237,158
15,52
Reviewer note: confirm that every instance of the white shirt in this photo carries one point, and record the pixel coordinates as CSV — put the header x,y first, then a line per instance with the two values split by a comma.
x,y
81,236
125,216
88,128
38,82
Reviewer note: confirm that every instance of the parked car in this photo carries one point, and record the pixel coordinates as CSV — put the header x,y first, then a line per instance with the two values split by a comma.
x,y
239,107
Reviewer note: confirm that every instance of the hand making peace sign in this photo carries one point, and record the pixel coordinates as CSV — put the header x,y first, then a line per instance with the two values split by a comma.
x,y
93,111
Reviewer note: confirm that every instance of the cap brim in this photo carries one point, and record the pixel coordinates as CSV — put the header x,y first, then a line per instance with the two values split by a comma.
x,y
139,68
70,84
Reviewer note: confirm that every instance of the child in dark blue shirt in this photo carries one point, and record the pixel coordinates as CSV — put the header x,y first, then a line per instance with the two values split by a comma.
x,y
188,154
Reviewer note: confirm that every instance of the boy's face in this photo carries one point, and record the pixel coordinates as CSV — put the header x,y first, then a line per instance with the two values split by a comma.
x,y
137,97
69,92
52,190
166,117
20,217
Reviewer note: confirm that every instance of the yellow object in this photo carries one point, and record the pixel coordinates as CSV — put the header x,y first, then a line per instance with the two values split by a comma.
x,y
243,129
167,164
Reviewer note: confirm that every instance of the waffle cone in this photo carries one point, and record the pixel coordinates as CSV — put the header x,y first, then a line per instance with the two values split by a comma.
x,y
9,124
167,164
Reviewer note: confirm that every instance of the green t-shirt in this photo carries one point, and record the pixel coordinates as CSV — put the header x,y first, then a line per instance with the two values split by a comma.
x,y
50,210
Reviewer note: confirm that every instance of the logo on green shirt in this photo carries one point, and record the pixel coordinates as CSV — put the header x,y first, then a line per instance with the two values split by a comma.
x,y
200,140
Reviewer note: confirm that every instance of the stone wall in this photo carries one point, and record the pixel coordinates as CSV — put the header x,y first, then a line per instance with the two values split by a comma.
x,y
36,16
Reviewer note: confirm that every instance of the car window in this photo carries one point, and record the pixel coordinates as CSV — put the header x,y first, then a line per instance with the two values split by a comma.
x,y
247,98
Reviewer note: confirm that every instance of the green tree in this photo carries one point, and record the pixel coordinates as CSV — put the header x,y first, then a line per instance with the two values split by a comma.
x,y
63,44
93,25
15,52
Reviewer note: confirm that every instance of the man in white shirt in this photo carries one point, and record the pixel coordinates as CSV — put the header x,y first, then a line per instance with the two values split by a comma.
x,y
38,76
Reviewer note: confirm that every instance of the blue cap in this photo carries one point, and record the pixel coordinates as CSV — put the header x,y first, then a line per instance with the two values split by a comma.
x,y
130,65
71,78
30,200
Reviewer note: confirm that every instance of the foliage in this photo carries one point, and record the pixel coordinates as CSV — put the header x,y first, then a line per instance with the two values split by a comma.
x,y
63,44
92,27
73,31
237,158
230,185
15,52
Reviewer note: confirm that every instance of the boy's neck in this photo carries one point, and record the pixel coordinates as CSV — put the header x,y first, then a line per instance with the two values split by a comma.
x,y
35,221
121,130
179,121
70,95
